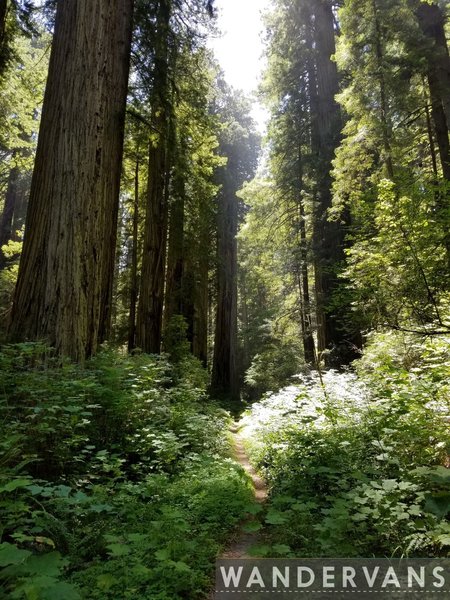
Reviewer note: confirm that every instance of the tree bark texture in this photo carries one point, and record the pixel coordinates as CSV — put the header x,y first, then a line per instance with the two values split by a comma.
x,y
201,300
174,303
151,298
432,24
64,287
224,374
10,207
134,264
328,237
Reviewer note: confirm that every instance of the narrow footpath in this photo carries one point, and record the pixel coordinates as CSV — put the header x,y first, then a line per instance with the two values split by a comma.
x,y
240,544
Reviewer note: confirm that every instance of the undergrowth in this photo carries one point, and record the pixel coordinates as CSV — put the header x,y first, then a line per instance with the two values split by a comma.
x,y
115,479
358,466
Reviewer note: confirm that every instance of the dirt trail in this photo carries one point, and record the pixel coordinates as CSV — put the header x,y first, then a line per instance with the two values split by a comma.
x,y
240,545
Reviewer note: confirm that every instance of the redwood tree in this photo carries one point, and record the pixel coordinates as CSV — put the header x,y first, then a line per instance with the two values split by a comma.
x,y
239,145
64,286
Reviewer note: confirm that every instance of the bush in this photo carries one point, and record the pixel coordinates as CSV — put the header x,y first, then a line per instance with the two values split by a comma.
x,y
358,466
114,478
272,369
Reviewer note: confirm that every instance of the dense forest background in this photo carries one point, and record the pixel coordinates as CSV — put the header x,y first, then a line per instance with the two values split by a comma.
x,y
343,231
161,264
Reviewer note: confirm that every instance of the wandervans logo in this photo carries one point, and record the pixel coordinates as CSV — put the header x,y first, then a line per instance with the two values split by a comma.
x,y
379,579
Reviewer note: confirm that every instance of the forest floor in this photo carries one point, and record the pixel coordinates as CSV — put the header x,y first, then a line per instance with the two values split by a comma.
x,y
241,543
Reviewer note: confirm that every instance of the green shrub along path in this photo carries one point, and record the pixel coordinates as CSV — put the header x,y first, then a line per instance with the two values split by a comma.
x,y
357,463
117,479
123,479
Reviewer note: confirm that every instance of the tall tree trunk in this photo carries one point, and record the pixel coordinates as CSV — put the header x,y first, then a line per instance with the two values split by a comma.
x,y
134,262
4,41
3,14
328,236
432,24
224,374
175,255
64,286
201,299
305,308
151,297
11,202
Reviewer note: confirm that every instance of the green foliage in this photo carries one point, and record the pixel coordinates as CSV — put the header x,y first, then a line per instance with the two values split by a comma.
x,y
359,467
272,368
114,481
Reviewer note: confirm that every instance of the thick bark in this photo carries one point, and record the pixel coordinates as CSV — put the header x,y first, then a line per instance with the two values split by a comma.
x,y
309,349
4,36
134,264
329,237
224,375
64,287
433,155
432,24
174,302
201,299
151,297
3,14
307,335
10,207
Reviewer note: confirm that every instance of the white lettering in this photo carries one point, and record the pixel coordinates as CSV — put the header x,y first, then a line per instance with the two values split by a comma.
x,y
231,576
348,576
255,578
390,578
436,574
277,575
420,579
300,582
328,577
371,579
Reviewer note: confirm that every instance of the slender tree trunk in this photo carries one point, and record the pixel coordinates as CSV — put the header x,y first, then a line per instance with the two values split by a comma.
x,y
151,297
433,156
64,287
11,202
134,262
201,301
307,331
175,256
224,374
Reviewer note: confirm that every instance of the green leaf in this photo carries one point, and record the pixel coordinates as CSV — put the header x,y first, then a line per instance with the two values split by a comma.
x,y
163,554
118,549
182,567
438,504
61,590
14,485
252,527
49,564
444,539
11,555
259,550
253,509
275,518
106,581
281,549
